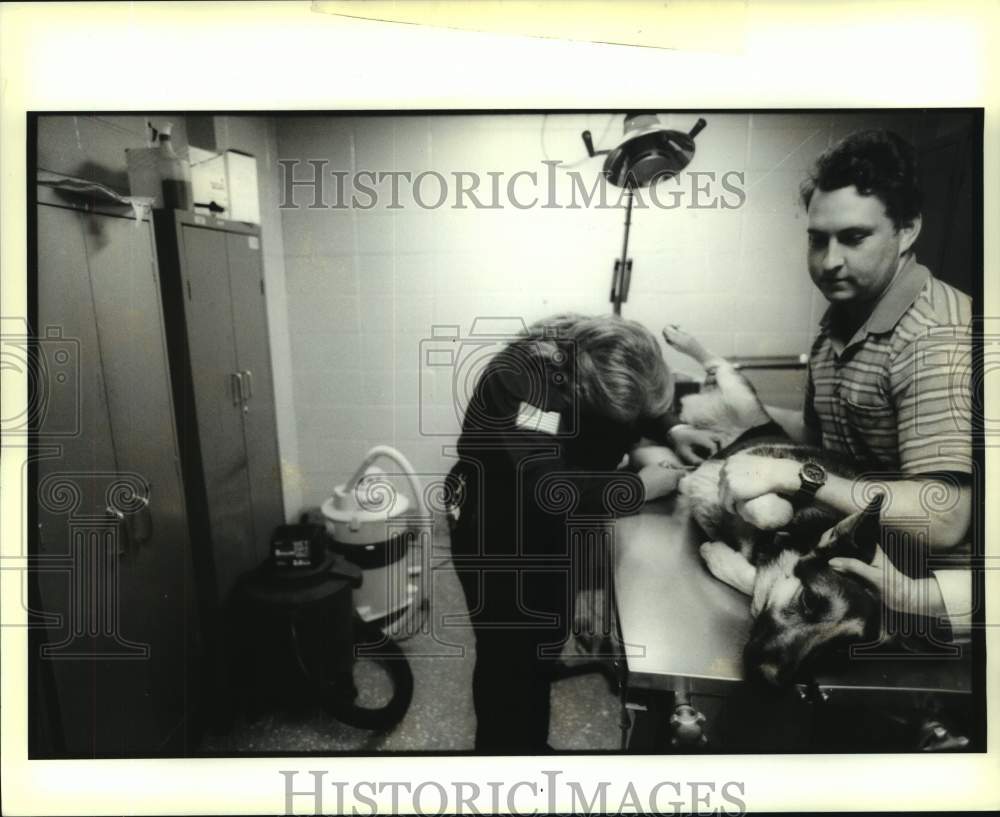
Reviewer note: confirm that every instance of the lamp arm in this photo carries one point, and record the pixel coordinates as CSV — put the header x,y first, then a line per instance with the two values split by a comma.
x,y
588,143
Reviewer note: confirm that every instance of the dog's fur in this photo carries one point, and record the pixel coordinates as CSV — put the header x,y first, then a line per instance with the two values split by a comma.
x,y
772,552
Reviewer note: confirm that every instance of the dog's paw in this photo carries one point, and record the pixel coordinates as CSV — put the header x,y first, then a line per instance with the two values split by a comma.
x,y
682,341
728,566
768,512
713,552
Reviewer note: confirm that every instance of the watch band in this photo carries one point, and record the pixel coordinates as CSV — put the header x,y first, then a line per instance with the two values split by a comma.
x,y
812,477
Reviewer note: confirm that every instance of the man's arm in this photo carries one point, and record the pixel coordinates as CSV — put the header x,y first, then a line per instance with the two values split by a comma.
x,y
946,504
925,597
931,385
794,423
947,593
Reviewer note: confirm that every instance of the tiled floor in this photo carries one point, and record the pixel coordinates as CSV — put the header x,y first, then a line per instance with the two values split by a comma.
x,y
585,711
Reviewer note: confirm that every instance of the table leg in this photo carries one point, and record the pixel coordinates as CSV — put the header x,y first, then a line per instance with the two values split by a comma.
x,y
687,722
647,723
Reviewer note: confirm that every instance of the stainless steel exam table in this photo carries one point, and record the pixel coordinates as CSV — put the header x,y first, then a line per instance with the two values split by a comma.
x,y
682,633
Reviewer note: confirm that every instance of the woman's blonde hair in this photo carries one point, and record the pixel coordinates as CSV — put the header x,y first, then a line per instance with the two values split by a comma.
x,y
612,366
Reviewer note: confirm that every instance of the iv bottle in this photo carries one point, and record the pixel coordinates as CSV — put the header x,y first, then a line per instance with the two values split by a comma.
x,y
175,174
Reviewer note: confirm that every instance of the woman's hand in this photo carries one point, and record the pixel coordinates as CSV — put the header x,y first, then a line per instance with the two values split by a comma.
x,y
643,455
693,445
899,592
746,476
660,479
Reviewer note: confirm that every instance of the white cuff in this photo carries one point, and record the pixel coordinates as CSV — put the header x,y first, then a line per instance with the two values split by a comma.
x,y
956,591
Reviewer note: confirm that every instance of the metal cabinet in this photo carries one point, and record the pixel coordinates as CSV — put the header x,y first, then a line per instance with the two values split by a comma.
x,y
213,287
115,647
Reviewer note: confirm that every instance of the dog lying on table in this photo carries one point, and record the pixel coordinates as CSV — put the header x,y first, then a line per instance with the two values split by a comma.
x,y
768,549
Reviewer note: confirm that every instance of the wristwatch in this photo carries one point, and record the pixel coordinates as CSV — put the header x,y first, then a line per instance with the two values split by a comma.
x,y
812,477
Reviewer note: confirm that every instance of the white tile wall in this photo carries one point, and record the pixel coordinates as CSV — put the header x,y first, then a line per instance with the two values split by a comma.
x,y
366,286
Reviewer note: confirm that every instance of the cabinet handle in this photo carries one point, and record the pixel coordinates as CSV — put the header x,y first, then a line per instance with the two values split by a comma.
x,y
141,522
237,382
249,382
124,535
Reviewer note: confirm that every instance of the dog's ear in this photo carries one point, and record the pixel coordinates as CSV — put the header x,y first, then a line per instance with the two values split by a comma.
x,y
866,529
856,535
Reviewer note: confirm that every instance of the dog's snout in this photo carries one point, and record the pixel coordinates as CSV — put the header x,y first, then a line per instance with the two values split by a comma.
x,y
766,673
763,662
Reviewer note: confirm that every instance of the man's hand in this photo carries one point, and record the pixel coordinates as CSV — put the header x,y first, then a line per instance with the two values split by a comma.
x,y
746,476
899,591
693,445
768,512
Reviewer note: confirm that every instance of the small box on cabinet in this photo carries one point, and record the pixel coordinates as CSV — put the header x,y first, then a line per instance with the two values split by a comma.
x,y
208,181
230,180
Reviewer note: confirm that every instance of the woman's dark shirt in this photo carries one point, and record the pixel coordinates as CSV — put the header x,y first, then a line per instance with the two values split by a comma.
x,y
520,486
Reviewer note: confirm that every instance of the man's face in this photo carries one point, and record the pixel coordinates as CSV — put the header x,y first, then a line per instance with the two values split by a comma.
x,y
854,247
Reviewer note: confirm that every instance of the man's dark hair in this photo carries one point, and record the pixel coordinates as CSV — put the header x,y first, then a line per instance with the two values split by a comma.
x,y
878,163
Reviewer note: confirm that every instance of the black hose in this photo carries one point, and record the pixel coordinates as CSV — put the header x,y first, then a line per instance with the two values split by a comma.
x,y
339,700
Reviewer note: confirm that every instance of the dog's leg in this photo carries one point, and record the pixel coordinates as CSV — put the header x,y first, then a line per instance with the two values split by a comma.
x,y
729,566
739,409
690,346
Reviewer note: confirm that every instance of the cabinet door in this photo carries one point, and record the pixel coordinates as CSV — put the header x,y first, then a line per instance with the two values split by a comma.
x,y
246,283
159,598
97,654
209,315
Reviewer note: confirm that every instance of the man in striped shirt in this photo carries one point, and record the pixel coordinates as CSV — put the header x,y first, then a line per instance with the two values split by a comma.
x,y
890,370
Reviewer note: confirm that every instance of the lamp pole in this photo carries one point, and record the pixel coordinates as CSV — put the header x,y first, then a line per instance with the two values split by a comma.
x,y
659,154
622,276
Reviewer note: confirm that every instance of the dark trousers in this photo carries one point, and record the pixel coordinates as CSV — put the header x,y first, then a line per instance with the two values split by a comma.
x,y
520,613
516,647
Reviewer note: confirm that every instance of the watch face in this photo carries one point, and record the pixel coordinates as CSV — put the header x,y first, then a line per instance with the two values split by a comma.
x,y
813,473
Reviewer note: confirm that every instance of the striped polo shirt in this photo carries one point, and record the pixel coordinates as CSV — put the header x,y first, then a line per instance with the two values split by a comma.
x,y
897,396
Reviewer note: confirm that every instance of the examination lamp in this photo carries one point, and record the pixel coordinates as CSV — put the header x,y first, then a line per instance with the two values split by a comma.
x,y
648,153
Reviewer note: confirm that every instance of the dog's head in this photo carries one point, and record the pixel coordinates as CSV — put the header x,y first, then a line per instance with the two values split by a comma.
x,y
803,609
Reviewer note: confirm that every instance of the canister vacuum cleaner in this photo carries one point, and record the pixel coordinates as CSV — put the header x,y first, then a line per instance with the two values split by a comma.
x,y
338,601
372,525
